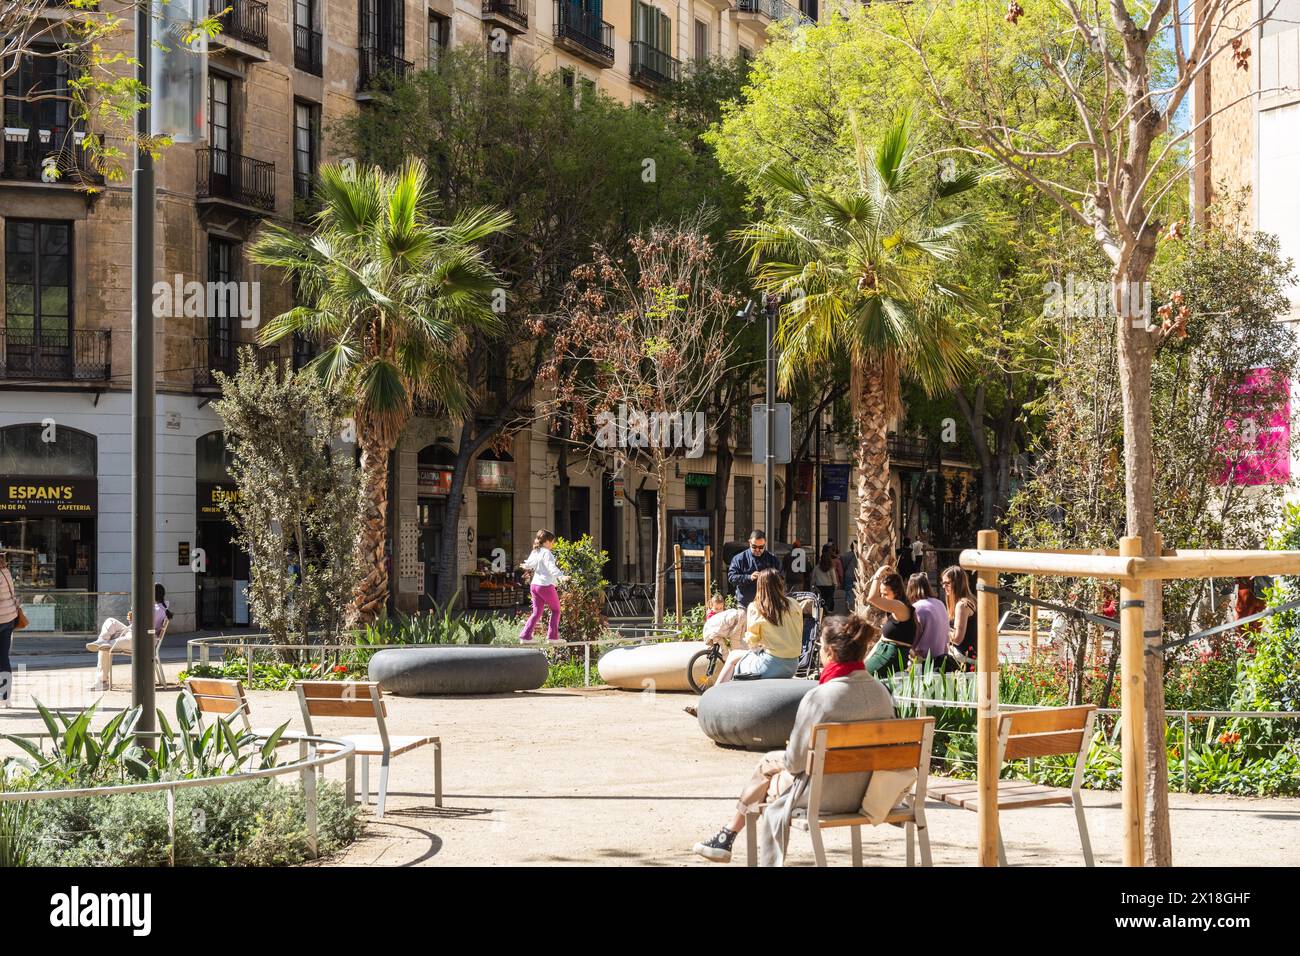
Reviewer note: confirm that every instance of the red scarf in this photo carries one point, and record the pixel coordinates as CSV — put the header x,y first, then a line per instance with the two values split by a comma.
x,y
840,669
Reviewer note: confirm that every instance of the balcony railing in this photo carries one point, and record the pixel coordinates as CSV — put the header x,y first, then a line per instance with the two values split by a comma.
x,y
774,10
82,356
651,66
214,353
246,20
509,12
224,174
45,155
585,31
380,69
304,350
307,50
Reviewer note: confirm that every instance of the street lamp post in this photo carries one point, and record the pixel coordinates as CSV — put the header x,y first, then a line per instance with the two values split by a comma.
x,y
142,392
771,305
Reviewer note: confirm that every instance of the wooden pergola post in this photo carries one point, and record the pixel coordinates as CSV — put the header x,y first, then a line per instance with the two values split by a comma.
x,y
986,661
1132,704
708,573
677,567
1033,617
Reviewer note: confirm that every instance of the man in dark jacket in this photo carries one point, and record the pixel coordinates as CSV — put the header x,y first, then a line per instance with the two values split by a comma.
x,y
743,572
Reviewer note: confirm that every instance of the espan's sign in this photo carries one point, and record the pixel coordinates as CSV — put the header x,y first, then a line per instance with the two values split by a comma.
x,y
33,495
210,496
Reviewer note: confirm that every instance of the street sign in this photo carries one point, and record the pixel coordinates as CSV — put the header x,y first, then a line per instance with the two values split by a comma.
x,y
835,483
758,433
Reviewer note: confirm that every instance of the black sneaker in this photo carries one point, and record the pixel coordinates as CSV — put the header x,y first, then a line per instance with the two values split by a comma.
x,y
718,847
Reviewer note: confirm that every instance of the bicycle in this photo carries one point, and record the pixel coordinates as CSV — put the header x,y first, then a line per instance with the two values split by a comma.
x,y
714,655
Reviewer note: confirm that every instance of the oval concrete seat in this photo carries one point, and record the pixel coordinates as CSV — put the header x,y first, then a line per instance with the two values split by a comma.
x,y
661,666
415,671
754,714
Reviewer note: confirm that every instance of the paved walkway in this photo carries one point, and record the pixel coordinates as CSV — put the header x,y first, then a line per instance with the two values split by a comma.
x,y
613,777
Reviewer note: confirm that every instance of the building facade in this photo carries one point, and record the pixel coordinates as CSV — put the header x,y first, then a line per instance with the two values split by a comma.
x,y
1246,141
279,74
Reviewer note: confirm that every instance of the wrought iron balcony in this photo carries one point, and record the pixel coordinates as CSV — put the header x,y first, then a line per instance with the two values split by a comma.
x,y
511,14
243,20
307,50
213,353
82,356
379,69
583,32
652,67
774,10
46,155
224,174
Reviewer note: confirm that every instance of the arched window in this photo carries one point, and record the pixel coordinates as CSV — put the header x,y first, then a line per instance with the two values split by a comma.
x,y
212,459
36,449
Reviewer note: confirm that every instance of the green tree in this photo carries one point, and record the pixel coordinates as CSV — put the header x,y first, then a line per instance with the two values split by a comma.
x,y
856,270
299,501
392,297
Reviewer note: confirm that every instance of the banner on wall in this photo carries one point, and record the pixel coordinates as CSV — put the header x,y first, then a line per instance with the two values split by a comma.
x,y
1258,450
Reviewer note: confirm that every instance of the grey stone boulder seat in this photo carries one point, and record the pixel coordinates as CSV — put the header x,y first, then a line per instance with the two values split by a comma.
x,y
416,671
754,714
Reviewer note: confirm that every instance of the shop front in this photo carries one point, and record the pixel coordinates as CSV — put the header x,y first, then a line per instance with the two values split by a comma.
x,y
493,582
221,578
49,504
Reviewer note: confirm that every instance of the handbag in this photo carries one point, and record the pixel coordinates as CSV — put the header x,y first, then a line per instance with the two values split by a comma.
x,y
20,621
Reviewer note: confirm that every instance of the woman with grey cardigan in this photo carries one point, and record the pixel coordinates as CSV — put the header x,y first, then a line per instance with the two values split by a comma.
x,y
846,693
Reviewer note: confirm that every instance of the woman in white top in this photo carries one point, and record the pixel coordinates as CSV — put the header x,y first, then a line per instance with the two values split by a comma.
x,y
8,618
546,574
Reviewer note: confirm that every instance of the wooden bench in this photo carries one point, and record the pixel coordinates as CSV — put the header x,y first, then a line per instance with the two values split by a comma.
x,y
364,699
224,698
1033,733
859,747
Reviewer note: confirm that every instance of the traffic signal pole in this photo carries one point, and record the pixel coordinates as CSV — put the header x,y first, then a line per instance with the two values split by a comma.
x,y
142,392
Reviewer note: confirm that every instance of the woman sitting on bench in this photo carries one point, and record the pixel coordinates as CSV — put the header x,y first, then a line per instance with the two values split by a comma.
x,y
115,637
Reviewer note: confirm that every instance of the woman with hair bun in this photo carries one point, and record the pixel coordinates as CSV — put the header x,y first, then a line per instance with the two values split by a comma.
x,y
845,692
546,574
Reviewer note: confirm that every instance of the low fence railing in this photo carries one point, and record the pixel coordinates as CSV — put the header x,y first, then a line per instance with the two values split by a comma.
x,y
244,643
309,761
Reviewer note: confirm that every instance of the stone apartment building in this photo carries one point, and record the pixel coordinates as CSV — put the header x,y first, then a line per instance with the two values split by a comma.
x,y
1247,134
280,72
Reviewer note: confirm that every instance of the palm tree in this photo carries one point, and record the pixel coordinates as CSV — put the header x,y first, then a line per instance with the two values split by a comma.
x,y
388,294
856,272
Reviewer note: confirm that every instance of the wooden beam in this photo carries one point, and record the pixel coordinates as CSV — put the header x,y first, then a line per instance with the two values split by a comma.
x,y
1033,618
1036,562
1217,564
986,662
1132,707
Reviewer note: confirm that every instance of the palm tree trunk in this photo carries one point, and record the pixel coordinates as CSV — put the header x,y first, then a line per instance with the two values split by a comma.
x,y
875,518
371,593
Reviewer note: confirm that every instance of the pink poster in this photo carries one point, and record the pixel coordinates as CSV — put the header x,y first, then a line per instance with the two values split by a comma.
x,y
1259,449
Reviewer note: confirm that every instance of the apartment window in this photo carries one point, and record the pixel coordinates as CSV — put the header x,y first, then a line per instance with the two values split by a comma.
x,y
36,92
382,39
652,27
566,77
1285,16
701,41
439,38
223,267
746,54
38,288
808,8
306,36
306,127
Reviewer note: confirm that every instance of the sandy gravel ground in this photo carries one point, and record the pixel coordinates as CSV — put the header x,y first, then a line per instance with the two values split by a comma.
x,y
613,777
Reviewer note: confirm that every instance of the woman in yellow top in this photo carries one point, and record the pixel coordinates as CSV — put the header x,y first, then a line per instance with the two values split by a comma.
x,y
773,630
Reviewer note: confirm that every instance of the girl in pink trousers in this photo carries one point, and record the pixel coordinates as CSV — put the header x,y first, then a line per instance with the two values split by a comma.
x,y
546,575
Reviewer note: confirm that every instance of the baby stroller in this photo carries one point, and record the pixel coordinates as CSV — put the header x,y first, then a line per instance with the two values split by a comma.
x,y
809,658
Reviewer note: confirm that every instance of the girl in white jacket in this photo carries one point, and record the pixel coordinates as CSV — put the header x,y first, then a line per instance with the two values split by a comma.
x,y
546,575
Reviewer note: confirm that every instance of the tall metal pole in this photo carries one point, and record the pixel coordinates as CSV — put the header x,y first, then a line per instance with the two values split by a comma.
x,y
817,488
769,311
142,394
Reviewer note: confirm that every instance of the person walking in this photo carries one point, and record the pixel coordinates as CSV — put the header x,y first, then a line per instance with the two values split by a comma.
x,y
9,608
545,575
850,578
742,573
824,579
